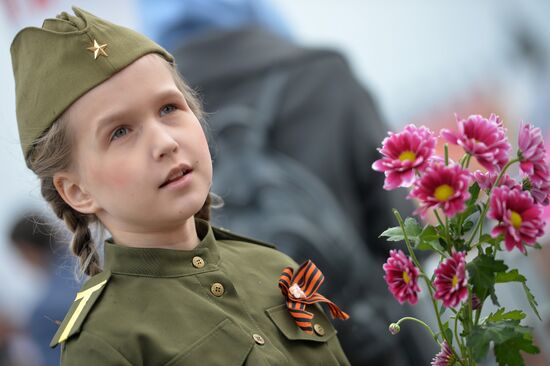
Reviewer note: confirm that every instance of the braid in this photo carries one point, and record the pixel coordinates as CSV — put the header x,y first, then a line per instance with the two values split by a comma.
x,y
82,244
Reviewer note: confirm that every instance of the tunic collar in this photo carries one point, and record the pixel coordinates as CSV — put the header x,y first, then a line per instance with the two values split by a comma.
x,y
160,262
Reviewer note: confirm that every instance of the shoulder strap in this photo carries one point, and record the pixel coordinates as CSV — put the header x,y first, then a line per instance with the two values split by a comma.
x,y
224,234
83,303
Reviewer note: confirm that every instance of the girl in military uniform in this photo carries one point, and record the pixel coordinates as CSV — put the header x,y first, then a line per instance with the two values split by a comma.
x,y
114,136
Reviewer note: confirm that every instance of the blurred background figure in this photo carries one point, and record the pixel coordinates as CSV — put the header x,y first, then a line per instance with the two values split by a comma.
x,y
37,240
423,61
294,135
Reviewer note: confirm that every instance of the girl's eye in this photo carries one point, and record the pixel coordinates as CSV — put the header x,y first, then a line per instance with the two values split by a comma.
x,y
119,132
168,108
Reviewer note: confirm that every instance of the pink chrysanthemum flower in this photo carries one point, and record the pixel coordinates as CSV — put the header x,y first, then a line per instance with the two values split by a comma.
x,y
445,357
405,153
451,280
541,192
532,153
483,138
518,216
442,186
487,179
402,277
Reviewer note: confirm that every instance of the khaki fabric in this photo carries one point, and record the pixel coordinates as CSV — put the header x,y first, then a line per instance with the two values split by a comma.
x,y
165,307
56,64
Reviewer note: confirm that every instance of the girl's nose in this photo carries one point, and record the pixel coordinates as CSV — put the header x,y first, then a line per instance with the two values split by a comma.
x,y
163,143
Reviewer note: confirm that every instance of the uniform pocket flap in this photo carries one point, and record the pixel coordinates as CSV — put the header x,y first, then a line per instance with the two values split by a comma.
x,y
323,329
226,344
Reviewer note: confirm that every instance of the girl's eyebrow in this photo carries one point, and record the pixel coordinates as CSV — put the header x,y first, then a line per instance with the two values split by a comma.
x,y
160,96
107,121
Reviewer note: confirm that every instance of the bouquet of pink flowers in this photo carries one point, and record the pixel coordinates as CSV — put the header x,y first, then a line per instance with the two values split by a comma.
x,y
462,201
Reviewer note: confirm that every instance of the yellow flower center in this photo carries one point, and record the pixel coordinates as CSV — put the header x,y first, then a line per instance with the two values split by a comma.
x,y
407,155
455,281
443,192
516,219
406,278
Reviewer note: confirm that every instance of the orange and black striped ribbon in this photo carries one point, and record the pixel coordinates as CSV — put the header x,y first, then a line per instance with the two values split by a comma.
x,y
309,278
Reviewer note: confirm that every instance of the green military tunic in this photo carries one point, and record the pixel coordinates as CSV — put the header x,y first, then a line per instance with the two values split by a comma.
x,y
218,304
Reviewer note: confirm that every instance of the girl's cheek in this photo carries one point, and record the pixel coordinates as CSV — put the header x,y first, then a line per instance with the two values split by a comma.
x,y
118,180
116,177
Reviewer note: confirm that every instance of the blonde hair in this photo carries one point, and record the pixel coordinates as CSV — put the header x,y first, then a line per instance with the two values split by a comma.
x,y
51,153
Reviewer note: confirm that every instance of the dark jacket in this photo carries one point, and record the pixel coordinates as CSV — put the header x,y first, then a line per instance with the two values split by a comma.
x,y
328,122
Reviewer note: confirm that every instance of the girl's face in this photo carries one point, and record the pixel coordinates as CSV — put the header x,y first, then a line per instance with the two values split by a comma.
x,y
134,133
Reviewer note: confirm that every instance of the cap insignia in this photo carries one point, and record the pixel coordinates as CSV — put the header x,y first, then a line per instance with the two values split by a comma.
x,y
98,49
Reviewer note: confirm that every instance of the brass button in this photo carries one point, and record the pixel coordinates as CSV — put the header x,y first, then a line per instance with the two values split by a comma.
x,y
198,262
318,328
217,289
258,339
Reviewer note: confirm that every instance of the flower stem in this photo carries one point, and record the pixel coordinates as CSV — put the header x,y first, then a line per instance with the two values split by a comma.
x,y
407,242
428,282
446,226
446,147
434,336
468,161
459,339
439,218
478,313
465,160
449,246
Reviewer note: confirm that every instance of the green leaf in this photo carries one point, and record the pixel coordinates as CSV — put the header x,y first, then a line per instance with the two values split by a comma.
x,y
501,315
508,353
467,226
474,194
449,334
494,298
412,229
486,238
442,309
471,207
445,333
503,334
429,240
393,234
481,336
531,298
429,233
514,276
510,276
482,272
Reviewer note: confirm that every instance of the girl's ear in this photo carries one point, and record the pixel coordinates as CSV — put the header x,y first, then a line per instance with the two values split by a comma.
x,y
69,188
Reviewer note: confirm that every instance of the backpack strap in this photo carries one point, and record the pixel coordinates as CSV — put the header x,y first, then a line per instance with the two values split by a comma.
x,y
260,115
83,303
268,102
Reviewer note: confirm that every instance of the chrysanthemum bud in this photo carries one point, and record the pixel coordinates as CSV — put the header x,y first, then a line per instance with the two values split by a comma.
x,y
476,303
394,328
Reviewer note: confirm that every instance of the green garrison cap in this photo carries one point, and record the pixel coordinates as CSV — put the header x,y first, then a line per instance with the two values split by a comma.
x,y
55,65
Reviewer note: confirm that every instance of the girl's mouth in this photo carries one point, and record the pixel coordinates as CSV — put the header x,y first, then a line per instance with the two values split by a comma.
x,y
176,175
